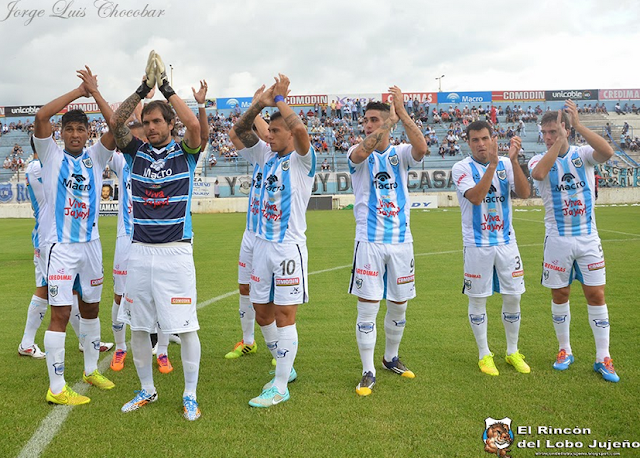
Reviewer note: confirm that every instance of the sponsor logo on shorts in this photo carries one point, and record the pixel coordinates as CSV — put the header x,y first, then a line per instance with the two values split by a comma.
x,y
288,281
97,281
254,278
128,299
367,272
467,284
294,291
59,277
405,280
181,300
545,274
242,264
596,266
358,283
472,275
119,272
554,267
517,273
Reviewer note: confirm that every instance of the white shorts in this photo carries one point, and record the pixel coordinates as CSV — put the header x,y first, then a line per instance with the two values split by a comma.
x,y
383,270
569,258
245,261
493,269
75,266
40,260
160,289
279,274
120,261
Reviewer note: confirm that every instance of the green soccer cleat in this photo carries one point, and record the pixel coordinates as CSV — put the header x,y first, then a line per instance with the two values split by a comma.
x,y
487,365
66,397
240,349
98,380
517,360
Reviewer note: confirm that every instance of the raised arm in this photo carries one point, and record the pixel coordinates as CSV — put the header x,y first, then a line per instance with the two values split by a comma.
x,y
519,178
380,136
261,126
418,143
242,130
42,124
602,150
192,136
91,83
301,141
118,123
477,194
201,98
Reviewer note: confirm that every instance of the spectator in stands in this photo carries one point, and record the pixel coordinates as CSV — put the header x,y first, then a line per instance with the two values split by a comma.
x,y
212,160
618,109
325,166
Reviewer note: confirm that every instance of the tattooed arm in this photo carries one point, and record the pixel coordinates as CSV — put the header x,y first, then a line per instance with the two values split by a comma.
x,y
418,143
242,130
121,132
301,141
379,138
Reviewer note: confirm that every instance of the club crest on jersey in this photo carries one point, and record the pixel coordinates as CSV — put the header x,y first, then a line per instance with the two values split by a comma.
x,y
393,160
88,163
502,175
577,162
285,165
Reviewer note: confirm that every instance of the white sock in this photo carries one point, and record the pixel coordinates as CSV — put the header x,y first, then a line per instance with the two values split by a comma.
x,y
511,320
141,347
287,351
247,320
478,321
366,333
561,315
74,319
394,323
54,348
270,334
190,351
35,314
163,344
599,321
90,329
119,328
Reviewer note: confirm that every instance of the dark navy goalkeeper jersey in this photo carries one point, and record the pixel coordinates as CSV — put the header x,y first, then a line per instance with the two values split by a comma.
x,y
161,189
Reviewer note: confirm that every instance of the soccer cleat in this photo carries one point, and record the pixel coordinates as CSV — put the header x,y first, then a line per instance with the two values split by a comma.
x,y
98,380
517,360
487,365
563,361
104,346
154,350
66,397
175,338
269,398
142,398
366,384
117,361
395,365
293,375
241,349
191,410
606,369
164,365
33,351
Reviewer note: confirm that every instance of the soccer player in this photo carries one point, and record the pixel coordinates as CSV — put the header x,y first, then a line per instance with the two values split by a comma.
x,y
248,344
73,178
161,278
38,306
279,274
564,176
383,263
492,261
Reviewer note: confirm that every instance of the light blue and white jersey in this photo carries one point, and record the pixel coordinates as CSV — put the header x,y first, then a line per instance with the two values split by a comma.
x,y
253,208
382,204
122,169
568,193
490,223
285,192
73,186
33,175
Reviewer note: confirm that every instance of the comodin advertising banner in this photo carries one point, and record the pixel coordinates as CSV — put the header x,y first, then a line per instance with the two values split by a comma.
x,y
307,100
517,96
464,98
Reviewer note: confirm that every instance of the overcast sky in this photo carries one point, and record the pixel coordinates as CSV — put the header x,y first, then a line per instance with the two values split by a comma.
x,y
324,46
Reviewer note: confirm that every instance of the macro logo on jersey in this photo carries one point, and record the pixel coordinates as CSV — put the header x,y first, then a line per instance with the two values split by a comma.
x,y
491,197
77,182
158,167
383,180
569,183
272,181
497,436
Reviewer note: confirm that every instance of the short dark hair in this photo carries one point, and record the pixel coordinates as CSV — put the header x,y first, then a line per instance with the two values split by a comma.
x,y
75,116
275,115
479,125
165,109
374,105
552,116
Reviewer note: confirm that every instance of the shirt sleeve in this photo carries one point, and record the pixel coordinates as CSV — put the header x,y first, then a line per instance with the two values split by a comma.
x,y
45,147
256,153
132,148
533,162
462,178
308,161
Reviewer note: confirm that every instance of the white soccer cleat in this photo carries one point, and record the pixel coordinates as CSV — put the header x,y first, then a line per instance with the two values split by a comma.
x,y
33,351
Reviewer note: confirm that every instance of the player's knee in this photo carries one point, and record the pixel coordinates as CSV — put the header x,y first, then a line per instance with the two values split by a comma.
x,y
560,295
89,311
59,318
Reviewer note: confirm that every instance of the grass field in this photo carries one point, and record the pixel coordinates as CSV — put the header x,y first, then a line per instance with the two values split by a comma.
x,y
438,414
